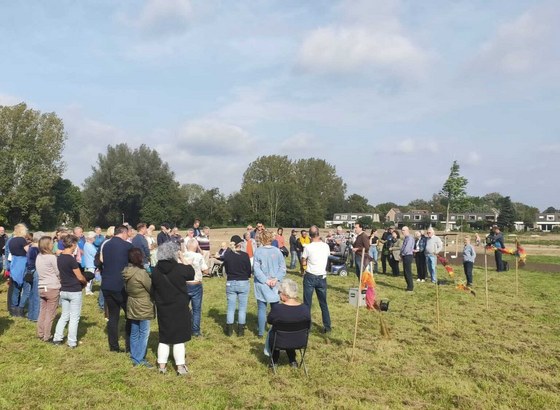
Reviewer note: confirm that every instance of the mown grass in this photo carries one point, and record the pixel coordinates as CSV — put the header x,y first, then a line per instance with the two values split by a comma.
x,y
506,356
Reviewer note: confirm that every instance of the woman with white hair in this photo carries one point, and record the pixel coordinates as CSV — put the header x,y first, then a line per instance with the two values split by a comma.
x,y
169,284
289,311
269,268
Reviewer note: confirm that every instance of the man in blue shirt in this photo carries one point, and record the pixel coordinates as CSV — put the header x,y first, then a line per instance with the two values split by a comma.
x,y
140,242
407,255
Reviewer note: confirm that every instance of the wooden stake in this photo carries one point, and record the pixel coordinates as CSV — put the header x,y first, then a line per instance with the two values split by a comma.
x,y
358,306
516,270
486,274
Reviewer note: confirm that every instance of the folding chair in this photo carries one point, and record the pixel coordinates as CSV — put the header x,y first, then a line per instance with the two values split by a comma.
x,y
217,270
294,336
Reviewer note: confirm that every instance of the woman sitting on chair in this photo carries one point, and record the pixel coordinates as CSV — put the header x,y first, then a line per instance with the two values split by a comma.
x,y
290,311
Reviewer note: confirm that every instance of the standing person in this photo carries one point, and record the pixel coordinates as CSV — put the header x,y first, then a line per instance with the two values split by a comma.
x,y
434,245
18,246
169,280
49,287
269,269
99,238
293,249
249,246
238,268
88,259
281,241
139,306
386,240
373,241
163,235
114,254
420,256
407,255
315,257
3,240
498,242
140,242
469,256
289,311
360,247
33,300
196,228
302,242
194,287
477,239
395,256
71,284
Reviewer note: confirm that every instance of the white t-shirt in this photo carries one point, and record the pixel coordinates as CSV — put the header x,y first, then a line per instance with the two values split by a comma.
x,y
197,261
317,255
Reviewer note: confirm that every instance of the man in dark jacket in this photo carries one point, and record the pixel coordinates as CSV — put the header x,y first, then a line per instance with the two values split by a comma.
x,y
498,242
140,242
114,255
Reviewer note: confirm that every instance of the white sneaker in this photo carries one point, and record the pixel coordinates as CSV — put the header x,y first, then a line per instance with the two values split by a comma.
x,y
182,370
418,280
423,280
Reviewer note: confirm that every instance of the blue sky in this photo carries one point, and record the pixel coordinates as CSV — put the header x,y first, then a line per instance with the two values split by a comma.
x,y
390,92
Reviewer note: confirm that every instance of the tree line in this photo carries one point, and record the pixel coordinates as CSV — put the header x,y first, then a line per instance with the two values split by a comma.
x,y
135,184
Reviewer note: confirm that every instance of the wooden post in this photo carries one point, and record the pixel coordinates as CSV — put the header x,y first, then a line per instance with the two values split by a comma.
x,y
486,274
358,306
437,305
516,269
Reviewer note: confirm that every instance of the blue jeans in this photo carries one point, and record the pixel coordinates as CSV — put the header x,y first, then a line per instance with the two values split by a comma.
x,y
195,292
319,284
431,261
100,298
139,333
293,259
373,254
34,301
358,263
261,316
237,290
71,303
20,294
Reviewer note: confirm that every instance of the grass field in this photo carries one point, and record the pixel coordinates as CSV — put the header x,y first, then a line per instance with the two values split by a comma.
x,y
507,356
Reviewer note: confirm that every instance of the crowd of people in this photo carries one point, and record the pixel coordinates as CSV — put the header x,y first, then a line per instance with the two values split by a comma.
x,y
148,276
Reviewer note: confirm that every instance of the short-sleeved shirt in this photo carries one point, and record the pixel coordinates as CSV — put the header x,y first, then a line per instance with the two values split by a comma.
x,y
317,255
17,246
68,280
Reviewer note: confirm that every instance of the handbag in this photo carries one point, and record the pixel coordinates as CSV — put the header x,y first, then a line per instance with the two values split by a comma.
x,y
28,277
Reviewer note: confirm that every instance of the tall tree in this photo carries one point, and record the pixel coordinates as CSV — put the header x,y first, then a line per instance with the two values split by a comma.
x,y
134,184
550,210
507,216
357,203
385,207
453,189
66,205
31,145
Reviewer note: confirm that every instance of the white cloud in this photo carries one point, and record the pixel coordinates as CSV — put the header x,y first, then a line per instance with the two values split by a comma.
x,y
410,146
299,144
161,17
527,44
473,158
212,137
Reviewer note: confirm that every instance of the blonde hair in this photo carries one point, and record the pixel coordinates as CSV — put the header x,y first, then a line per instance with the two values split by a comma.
x,y
20,230
266,237
110,232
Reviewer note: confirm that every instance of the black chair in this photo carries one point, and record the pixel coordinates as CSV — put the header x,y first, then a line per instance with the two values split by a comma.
x,y
290,336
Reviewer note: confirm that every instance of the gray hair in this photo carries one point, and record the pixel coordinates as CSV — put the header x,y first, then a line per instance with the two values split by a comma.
x,y
38,235
167,251
289,288
191,242
90,235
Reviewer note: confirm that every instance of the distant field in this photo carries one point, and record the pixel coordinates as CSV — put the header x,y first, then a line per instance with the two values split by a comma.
x,y
507,356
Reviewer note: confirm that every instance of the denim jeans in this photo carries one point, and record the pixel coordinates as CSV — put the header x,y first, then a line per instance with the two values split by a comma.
x,y
71,303
237,290
139,333
468,267
195,292
20,293
261,316
293,259
373,254
358,262
431,262
34,301
319,284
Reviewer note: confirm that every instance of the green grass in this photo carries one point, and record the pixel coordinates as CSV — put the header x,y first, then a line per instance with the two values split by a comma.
x,y
554,260
506,356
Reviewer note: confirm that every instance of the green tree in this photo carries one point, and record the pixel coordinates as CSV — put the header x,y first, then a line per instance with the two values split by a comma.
x,y
358,204
66,206
31,145
133,182
366,222
526,213
550,210
419,204
453,189
211,208
507,217
385,207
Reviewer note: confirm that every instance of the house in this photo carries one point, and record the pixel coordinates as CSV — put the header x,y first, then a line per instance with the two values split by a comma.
x,y
546,222
392,215
349,219
421,219
473,219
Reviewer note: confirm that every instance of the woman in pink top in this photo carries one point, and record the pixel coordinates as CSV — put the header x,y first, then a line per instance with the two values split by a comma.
x,y
49,287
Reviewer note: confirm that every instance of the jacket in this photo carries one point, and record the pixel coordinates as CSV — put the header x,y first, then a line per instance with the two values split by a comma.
x,y
138,285
396,249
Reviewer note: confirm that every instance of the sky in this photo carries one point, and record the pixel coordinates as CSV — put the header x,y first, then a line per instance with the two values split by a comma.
x,y
390,92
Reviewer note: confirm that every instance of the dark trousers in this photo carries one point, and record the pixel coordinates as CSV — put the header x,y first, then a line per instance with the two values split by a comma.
x,y
394,266
290,352
468,266
499,263
407,268
384,262
115,301
421,269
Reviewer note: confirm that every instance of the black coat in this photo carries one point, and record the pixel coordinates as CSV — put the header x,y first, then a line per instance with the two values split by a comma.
x,y
172,301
